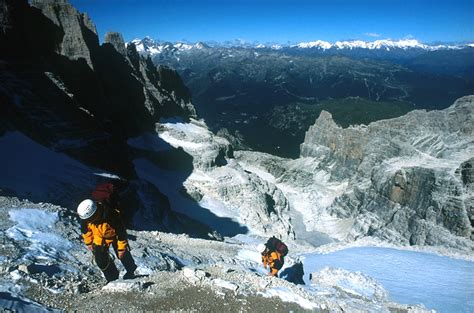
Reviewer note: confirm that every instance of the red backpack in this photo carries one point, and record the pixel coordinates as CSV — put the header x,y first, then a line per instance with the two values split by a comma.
x,y
275,244
107,194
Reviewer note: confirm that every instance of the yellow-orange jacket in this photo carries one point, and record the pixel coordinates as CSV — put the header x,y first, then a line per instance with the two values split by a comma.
x,y
107,229
274,260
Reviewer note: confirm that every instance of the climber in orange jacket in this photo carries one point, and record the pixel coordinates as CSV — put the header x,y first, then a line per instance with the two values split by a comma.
x,y
272,259
102,227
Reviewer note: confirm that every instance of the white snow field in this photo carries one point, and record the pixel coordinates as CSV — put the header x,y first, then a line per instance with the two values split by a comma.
x,y
438,282
34,172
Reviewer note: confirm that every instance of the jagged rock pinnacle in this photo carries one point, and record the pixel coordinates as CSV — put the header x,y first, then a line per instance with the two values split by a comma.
x,y
116,40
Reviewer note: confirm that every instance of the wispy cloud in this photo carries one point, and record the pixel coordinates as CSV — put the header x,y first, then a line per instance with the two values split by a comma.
x,y
372,34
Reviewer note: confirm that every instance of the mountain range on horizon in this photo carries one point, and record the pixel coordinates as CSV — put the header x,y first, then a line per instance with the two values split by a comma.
x,y
387,44
269,96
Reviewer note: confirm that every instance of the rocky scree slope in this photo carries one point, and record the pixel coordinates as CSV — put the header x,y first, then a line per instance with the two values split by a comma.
x,y
45,265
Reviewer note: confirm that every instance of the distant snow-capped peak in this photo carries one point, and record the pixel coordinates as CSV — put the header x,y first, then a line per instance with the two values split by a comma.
x,y
273,46
315,44
404,44
149,46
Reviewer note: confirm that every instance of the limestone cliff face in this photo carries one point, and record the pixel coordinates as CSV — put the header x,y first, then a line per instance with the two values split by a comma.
x,y
80,34
171,83
327,139
409,178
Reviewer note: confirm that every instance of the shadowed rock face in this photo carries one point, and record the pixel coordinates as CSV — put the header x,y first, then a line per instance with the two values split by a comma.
x,y
66,92
466,170
10,15
125,94
467,173
412,174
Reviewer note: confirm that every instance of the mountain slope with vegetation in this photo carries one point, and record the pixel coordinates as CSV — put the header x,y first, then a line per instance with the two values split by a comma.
x,y
239,88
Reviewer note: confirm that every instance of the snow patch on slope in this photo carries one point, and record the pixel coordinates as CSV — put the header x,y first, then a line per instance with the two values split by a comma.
x,y
356,283
33,171
46,247
30,169
288,296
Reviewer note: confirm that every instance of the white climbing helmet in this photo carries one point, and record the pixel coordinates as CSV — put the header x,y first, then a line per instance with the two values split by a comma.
x,y
261,247
86,209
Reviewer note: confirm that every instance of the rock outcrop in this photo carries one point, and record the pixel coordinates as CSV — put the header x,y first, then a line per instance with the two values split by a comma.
x,y
466,171
198,141
116,40
220,184
409,178
80,34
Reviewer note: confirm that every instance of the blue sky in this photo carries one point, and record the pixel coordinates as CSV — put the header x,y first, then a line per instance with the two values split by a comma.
x,y
283,21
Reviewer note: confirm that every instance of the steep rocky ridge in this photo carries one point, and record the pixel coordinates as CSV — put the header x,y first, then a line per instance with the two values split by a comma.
x,y
70,95
60,69
98,79
116,40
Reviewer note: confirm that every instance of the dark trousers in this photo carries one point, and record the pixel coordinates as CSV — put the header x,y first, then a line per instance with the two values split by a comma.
x,y
107,265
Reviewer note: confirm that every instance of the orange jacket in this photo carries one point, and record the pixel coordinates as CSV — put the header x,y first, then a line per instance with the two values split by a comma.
x,y
273,259
104,231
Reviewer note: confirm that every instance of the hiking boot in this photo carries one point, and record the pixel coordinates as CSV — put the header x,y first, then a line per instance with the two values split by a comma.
x,y
129,275
111,273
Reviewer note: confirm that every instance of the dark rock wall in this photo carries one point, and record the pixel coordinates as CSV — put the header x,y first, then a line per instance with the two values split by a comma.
x,y
62,89
122,95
